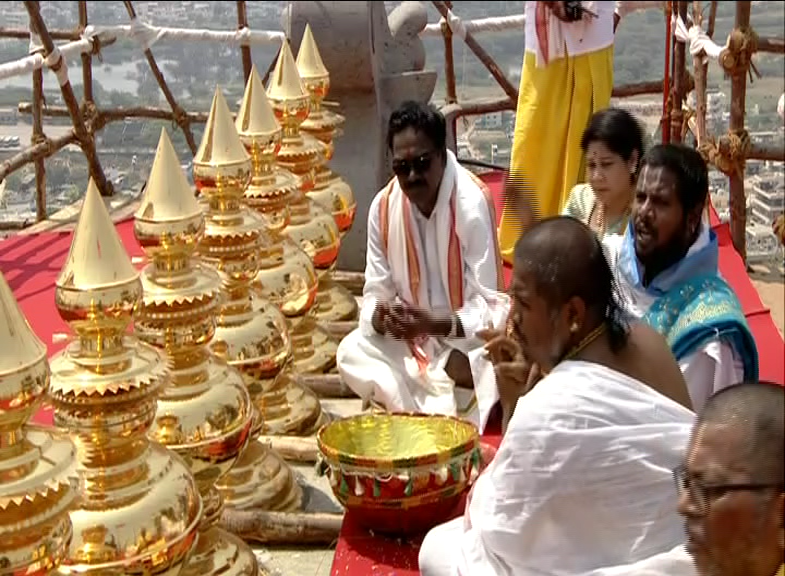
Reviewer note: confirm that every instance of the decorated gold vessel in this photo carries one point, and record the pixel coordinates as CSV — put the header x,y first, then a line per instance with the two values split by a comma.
x,y
312,225
140,508
37,465
204,413
330,190
287,276
400,473
251,333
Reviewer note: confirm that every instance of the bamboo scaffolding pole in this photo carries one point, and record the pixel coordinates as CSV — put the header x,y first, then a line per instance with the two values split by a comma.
x,y
85,139
36,137
678,91
23,34
245,50
738,102
116,114
449,60
482,55
298,528
41,150
181,118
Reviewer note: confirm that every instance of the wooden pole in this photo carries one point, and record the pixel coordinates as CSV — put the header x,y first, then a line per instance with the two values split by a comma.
x,y
36,138
482,55
738,102
449,62
87,58
293,448
180,116
700,69
679,77
22,34
297,528
666,83
42,150
245,50
86,140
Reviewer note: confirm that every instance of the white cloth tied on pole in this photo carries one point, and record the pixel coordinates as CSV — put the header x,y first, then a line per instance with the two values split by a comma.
x,y
61,72
697,40
478,26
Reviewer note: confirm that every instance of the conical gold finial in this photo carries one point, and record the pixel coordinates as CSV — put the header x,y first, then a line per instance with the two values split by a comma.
x,y
97,258
221,145
167,196
256,117
24,370
309,61
169,221
285,83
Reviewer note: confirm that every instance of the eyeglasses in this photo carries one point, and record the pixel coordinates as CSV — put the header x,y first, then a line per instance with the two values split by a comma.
x,y
701,494
420,165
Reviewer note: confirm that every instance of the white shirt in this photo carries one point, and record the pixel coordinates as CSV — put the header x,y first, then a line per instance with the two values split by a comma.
x,y
476,230
589,35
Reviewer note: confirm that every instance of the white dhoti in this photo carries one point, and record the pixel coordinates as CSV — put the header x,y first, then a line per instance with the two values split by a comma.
x,y
581,483
383,370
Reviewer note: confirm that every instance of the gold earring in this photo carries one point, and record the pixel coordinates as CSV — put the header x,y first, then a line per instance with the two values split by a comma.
x,y
574,327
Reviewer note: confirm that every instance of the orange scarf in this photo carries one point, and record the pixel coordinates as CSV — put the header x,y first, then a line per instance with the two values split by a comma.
x,y
542,15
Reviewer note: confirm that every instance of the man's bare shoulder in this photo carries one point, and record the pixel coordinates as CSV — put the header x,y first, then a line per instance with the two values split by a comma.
x,y
659,367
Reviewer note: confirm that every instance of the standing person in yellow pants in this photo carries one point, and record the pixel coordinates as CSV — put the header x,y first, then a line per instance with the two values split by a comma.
x,y
567,76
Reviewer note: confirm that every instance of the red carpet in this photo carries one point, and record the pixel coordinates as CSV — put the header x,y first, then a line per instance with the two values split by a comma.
x,y
31,264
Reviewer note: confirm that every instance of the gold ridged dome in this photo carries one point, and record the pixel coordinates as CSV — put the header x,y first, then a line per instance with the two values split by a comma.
x,y
37,466
285,84
309,60
220,144
140,508
312,225
269,192
251,332
205,413
329,190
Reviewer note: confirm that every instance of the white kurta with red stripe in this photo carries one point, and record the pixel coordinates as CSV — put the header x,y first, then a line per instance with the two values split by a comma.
x,y
384,370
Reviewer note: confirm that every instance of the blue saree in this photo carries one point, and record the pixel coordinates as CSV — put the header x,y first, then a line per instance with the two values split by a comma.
x,y
693,305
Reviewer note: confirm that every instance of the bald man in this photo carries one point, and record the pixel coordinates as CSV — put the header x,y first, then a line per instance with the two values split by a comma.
x,y
582,478
731,484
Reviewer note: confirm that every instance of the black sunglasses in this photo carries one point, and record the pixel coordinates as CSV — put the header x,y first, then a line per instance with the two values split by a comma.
x,y
702,493
420,165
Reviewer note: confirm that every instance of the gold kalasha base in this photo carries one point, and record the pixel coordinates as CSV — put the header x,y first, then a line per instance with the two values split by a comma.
x,y
334,303
219,552
314,348
288,408
261,479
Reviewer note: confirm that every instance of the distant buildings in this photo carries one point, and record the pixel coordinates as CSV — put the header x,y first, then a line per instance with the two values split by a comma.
x,y
768,197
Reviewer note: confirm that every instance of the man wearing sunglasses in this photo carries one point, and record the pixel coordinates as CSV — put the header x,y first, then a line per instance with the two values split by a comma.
x,y
433,278
730,490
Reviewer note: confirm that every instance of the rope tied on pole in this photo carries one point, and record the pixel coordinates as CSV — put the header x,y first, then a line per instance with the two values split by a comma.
x,y
729,153
736,57
180,117
92,117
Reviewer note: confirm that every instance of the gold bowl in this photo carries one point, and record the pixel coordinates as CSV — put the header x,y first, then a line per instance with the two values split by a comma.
x,y
399,473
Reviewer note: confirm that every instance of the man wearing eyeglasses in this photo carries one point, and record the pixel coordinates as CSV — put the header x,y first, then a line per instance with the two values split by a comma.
x,y
730,490
433,278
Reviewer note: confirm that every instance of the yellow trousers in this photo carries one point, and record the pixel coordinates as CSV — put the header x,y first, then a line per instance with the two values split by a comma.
x,y
555,104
